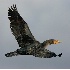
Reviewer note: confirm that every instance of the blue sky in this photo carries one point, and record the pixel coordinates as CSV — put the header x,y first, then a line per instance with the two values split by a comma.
x,y
47,19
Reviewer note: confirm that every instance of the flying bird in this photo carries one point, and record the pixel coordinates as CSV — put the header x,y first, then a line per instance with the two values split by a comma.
x,y
26,41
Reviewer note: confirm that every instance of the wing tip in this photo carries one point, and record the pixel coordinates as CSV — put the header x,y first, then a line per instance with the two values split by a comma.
x,y
13,7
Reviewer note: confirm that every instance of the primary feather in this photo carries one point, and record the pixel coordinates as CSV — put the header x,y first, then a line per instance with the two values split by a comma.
x,y
20,28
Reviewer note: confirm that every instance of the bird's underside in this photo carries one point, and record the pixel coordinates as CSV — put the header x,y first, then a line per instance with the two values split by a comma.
x,y
27,43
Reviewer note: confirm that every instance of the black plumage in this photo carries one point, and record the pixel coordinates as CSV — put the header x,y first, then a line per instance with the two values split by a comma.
x,y
29,45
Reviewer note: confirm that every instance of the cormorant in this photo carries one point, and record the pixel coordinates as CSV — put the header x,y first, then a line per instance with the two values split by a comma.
x,y
27,43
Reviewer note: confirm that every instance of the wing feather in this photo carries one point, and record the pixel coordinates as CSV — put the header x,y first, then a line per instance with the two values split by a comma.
x,y
19,28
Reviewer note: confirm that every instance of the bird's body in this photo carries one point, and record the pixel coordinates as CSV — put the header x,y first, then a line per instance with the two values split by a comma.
x,y
29,45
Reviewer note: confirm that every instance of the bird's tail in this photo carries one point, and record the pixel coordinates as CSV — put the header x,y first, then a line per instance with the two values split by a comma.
x,y
11,54
20,51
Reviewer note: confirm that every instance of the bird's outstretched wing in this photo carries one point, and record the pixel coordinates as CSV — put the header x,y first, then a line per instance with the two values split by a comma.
x,y
42,53
20,28
46,54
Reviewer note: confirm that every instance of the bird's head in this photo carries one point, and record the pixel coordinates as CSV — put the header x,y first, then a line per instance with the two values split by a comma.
x,y
53,41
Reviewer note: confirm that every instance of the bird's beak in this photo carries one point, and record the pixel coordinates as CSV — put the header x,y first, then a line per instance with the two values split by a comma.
x,y
59,42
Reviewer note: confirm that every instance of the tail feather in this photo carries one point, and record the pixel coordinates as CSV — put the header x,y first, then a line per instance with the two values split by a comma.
x,y
11,54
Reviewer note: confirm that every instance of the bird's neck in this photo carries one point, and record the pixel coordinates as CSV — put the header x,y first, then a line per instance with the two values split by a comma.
x,y
46,43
